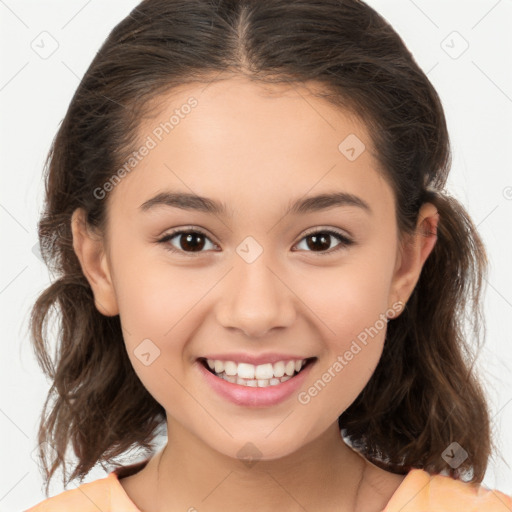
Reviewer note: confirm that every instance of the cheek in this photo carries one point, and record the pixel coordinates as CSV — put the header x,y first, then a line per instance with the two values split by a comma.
x,y
351,303
350,297
357,345
153,295
161,307
353,346
155,311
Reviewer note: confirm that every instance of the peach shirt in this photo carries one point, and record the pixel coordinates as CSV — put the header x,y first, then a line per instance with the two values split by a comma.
x,y
418,492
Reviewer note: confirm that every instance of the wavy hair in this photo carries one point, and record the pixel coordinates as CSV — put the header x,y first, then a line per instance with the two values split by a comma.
x,y
96,402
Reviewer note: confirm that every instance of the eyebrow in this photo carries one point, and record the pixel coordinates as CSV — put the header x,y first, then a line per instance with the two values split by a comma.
x,y
310,204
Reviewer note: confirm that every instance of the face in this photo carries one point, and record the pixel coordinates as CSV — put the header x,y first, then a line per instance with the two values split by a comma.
x,y
255,281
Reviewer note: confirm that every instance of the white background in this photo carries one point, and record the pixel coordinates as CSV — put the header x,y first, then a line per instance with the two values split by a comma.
x,y
476,91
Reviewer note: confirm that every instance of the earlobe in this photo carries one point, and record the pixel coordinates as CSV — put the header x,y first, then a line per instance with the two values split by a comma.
x,y
414,252
90,251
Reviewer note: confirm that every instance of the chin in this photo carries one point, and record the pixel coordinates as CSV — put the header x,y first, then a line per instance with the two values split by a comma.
x,y
259,447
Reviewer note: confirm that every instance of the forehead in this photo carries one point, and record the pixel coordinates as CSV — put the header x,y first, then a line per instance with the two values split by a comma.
x,y
279,113
239,141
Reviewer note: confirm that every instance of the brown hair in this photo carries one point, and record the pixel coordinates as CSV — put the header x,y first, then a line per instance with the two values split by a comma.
x,y
398,423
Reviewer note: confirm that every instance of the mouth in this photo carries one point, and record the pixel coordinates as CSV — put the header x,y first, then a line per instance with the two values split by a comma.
x,y
261,376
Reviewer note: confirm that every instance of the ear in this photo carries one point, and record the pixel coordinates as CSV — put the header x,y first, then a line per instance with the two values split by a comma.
x,y
90,251
413,253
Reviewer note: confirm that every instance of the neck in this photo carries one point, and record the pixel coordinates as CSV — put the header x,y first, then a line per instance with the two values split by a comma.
x,y
190,475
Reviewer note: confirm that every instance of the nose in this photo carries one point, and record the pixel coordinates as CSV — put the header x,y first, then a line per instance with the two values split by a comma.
x,y
256,299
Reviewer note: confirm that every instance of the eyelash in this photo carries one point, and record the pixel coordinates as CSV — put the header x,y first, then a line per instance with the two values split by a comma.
x,y
344,241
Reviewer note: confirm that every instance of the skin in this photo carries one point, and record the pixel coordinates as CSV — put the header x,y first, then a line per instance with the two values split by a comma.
x,y
254,151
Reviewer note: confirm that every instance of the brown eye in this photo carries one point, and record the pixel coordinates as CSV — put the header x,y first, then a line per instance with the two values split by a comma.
x,y
190,241
320,241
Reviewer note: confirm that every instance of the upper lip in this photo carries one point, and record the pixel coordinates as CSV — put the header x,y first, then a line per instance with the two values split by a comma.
x,y
255,359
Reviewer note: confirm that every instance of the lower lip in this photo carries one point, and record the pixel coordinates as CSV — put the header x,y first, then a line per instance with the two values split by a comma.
x,y
251,396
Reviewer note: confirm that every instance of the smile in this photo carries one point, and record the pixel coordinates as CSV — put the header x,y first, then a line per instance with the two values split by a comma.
x,y
262,375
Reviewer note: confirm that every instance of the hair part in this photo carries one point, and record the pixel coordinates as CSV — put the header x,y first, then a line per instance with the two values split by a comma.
x,y
99,405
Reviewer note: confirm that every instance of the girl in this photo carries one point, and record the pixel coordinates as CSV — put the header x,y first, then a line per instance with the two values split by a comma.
x,y
245,207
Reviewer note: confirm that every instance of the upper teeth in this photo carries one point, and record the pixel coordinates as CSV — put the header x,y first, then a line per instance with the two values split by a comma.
x,y
261,371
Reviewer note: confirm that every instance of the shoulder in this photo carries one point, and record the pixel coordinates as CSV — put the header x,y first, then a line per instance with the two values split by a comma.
x,y
89,497
421,491
105,494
